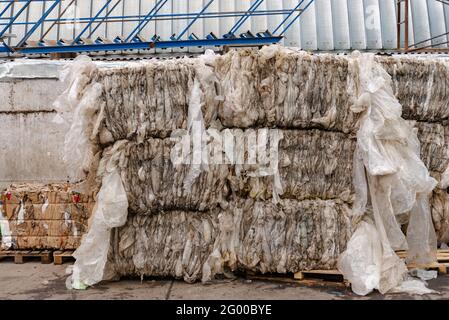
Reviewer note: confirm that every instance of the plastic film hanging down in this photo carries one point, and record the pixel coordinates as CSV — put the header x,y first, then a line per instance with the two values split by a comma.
x,y
392,189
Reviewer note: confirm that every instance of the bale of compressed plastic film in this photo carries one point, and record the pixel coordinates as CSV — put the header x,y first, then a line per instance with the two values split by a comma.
x,y
207,208
150,100
248,235
286,89
420,86
392,186
153,182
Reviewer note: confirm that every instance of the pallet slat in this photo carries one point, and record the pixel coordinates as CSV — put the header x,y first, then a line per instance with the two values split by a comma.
x,y
60,256
20,256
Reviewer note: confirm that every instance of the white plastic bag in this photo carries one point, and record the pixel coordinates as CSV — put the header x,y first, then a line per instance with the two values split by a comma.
x,y
362,260
5,232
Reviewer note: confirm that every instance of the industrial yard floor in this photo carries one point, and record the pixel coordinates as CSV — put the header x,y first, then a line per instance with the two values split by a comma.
x,y
38,281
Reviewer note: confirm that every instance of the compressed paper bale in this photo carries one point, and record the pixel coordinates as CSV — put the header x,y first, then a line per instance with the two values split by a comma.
x,y
287,90
434,140
41,194
46,242
258,236
420,86
77,212
151,99
44,228
154,183
39,215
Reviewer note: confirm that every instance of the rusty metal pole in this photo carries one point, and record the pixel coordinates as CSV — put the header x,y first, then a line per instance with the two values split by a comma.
x,y
398,24
406,25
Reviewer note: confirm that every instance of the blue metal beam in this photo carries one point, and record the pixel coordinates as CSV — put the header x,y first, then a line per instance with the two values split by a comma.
x,y
288,16
92,20
296,18
38,23
103,19
147,45
55,21
6,8
14,18
245,17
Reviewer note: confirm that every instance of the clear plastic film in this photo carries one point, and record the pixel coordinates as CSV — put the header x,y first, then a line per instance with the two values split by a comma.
x,y
392,188
111,211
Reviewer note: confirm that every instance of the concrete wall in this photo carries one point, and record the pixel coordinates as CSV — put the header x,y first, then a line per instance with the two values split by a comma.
x,y
30,141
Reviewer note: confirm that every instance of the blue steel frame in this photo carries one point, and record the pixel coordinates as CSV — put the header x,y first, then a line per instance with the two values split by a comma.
x,y
133,41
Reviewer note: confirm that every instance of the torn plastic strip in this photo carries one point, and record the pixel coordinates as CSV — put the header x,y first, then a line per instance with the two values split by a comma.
x,y
111,211
5,231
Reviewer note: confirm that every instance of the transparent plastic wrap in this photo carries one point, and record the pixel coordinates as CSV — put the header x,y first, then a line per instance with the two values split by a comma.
x,y
393,186
77,106
110,212
5,232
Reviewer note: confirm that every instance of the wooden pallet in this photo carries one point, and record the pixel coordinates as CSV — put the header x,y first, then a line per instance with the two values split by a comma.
x,y
20,256
334,275
60,256
441,265
312,277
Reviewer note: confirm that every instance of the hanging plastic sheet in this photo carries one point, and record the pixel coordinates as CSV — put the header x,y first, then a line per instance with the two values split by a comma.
x,y
392,189
111,211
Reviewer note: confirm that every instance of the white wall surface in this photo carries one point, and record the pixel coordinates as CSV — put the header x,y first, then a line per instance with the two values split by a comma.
x,y
326,25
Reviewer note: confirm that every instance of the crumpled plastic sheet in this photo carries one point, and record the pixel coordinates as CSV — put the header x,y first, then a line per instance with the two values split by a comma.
x,y
111,211
5,231
78,106
252,235
392,187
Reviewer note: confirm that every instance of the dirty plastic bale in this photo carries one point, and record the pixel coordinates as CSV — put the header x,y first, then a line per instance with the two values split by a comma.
x,y
154,183
439,203
286,89
312,164
150,99
251,90
434,141
257,236
392,186
420,85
